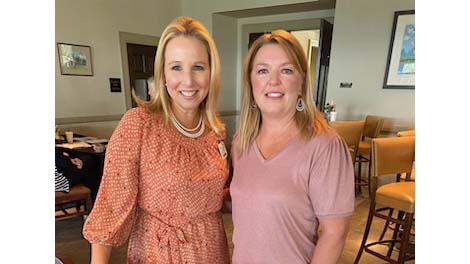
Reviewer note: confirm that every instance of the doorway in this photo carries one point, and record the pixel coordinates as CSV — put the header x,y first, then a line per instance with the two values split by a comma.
x,y
323,64
141,67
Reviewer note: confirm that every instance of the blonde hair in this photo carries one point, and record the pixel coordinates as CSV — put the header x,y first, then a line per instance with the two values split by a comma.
x,y
309,121
160,103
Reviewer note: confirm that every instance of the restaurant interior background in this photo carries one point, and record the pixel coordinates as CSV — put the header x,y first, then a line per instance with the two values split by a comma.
x,y
359,50
360,45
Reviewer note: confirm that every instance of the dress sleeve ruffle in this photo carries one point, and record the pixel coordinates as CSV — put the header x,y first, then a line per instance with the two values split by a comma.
x,y
113,214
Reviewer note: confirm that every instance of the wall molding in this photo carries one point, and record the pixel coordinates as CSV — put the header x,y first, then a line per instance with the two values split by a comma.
x,y
86,119
105,118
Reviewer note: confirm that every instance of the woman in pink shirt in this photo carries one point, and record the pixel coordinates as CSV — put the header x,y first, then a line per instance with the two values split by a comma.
x,y
293,184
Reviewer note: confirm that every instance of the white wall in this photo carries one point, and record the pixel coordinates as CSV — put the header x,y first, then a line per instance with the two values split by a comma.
x,y
203,9
97,24
361,37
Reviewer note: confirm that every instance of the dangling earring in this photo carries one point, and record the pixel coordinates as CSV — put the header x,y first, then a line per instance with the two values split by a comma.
x,y
300,105
254,106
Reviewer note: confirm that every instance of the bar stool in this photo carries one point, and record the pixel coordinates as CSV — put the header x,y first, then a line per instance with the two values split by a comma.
x,y
401,177
351,132
372,128
406,176
391,156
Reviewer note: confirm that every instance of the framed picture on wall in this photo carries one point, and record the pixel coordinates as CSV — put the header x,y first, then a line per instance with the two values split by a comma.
x,y
400,68
75,59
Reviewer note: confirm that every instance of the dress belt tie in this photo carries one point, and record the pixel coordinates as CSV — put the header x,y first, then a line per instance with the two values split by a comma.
x,y
168,234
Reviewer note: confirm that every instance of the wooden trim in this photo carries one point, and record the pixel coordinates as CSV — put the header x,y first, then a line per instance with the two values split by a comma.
x,y
87,119
105,118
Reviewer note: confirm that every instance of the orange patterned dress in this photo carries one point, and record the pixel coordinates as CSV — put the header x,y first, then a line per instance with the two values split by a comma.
x,y
165,190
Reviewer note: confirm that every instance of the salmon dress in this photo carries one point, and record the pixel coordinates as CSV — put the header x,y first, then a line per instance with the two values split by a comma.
x,y
162,190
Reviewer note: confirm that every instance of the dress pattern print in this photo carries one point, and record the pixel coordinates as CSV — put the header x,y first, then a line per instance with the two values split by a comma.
x,y
162,190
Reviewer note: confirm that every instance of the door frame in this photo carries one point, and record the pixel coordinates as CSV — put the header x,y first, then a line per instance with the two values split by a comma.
x,y
124,38
323,59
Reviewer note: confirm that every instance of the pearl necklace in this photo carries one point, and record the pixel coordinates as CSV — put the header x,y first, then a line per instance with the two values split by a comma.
x,y
186,131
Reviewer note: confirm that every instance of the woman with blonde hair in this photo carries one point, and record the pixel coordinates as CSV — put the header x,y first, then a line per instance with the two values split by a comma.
x,y
292,173
165,167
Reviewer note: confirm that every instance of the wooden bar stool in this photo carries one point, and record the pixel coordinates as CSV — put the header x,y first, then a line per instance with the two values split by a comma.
x,y
372,128
392,156
351,132
401,177
79,195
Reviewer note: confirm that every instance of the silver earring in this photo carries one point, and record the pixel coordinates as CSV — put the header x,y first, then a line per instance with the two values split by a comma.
x,y
300,105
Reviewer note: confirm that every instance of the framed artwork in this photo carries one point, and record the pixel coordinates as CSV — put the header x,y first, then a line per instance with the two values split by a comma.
x,y
400,68
75,59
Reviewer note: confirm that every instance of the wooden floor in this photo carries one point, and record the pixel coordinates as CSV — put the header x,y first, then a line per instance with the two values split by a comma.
x,y
70,242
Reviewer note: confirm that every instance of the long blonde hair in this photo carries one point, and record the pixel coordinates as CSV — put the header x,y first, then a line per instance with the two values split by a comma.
x,y
160,103
309,121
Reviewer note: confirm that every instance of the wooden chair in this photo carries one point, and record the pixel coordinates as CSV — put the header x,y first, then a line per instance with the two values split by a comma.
x,y
78,195
372,128
400,177
404,176
392,156
351,132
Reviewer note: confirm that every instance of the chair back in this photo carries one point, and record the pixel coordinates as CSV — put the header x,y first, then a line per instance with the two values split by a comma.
x,y
406,133
351,132
373,126
392,155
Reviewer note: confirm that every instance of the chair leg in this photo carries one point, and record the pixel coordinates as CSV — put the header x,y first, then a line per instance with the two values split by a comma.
x,y
390,213
395,234
367,230
359,174
369,183
89,204
78,204
406,237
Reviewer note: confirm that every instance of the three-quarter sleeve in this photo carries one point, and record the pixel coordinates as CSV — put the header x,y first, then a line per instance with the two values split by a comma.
x,y
113,214
331,183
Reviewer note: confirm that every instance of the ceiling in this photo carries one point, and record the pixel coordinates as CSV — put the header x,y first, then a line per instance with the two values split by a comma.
x,y
282,9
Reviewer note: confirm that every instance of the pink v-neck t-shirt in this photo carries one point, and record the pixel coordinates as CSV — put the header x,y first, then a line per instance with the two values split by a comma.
x,y
277,202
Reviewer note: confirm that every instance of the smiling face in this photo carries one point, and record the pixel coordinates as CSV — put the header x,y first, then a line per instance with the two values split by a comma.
x,y
276,83
187,73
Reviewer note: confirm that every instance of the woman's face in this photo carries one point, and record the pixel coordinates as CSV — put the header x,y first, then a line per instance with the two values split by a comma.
x,y
187,73
276,83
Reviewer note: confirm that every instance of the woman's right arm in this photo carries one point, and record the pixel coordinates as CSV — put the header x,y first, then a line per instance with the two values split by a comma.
x,y
100,254
114,211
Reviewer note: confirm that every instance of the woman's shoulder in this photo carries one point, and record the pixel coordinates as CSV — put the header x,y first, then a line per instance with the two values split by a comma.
x,y
325,138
